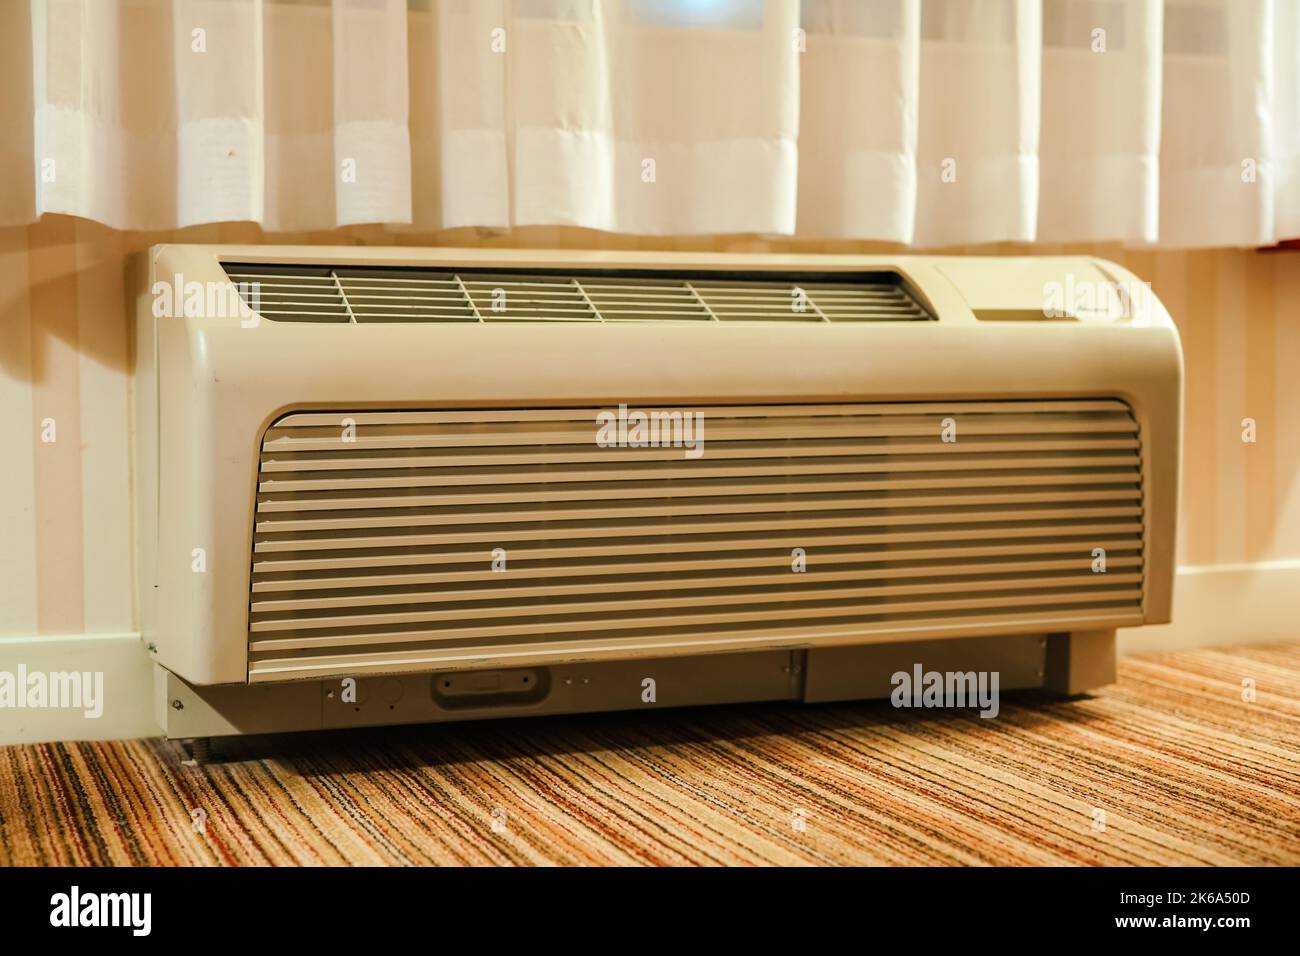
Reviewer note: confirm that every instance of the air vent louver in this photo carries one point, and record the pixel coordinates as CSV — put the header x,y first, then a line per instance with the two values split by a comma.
x,y
373,551
303,293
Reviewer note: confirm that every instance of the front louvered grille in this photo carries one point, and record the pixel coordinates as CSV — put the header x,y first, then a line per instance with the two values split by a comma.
x,y
375,532
290,293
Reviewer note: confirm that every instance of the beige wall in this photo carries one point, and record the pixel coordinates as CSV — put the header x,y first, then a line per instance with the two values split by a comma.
x,y
65,507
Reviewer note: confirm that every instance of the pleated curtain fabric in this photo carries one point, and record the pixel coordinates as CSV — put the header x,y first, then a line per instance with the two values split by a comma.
x,y
924,122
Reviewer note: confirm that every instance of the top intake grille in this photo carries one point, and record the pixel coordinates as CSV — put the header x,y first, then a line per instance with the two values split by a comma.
x,y
307,293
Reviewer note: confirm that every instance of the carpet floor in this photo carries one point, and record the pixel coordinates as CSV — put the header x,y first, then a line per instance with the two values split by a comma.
x,y
1168,766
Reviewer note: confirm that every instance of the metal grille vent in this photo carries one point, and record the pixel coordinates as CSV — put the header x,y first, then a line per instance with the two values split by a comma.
x,y
374,554
300,293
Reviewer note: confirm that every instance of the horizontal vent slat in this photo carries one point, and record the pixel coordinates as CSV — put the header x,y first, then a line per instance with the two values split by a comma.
x,y
957,508
419,477
669,618
275,502
748,452
577,579
280,575
1023,538
506,536
332,438
775,582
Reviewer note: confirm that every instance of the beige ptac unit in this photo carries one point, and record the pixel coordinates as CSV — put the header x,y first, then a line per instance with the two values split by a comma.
x,y
382,486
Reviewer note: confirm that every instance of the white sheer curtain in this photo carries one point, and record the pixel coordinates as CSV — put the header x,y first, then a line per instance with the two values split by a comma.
x,y
929,122
627,117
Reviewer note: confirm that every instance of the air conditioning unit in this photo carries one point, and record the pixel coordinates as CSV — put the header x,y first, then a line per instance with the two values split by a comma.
x,y
404,485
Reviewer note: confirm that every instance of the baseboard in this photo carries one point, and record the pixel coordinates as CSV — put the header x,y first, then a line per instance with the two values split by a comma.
x,y
1225,606
1219,606
126,688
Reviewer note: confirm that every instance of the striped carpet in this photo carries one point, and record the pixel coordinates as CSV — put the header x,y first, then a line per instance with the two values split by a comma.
x,y
1184,771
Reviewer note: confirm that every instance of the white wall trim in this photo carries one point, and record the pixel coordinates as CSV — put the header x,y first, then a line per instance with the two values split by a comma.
x,y
28,638
1199,569
127,687
1214,606
1225,605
